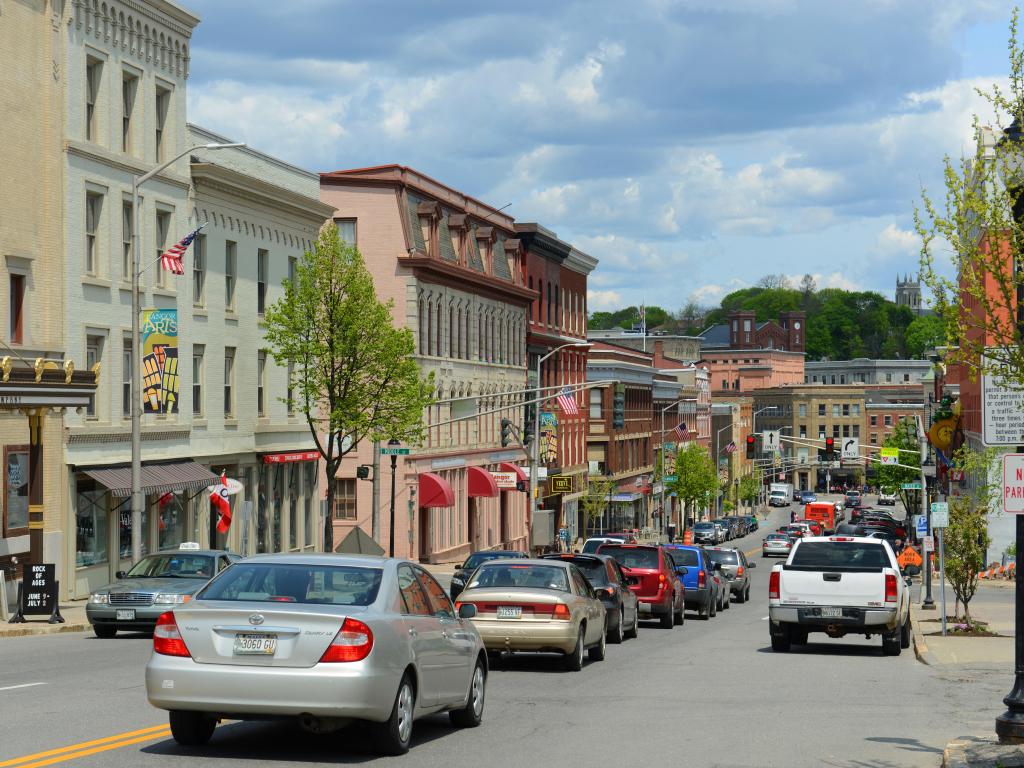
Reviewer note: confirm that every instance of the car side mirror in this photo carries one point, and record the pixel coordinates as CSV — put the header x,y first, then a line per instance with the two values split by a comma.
x,y
467,611
120,574
633,581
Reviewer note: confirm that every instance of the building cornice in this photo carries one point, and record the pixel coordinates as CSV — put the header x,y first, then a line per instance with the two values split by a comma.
x,y
240,185
580,262
543,242
446,273
216,138
98,154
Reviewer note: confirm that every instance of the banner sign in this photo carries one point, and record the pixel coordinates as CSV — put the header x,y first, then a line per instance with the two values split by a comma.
x,y
548,437
160,361
505,481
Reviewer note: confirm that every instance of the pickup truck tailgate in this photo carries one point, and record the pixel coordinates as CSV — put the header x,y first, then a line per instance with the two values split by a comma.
x,y
823,587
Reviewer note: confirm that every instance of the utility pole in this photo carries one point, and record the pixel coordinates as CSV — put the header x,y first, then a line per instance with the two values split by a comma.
x,y
375,493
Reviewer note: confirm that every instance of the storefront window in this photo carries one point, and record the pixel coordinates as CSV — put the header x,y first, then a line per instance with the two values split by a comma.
x,y
170,510
293,506
262,535
125,526
16,492
277,492
310,489
91,523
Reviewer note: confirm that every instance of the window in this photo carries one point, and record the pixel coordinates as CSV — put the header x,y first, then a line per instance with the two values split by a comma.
x,y
802,410
835,410
414,599
17,305
290,390
126,376
846,409
821,409
93,207
725,383
230,262
15,490
163,226
229,382
906,377
93,75
347,230
293,263
888,377
855,430
846,430
874,421
874,438
198,375
163,103
835,430
855,409
842,378
199,271
803,430
262,267
261,385
595,403
344,498
128,88
888,421
93,355
127,223
440,605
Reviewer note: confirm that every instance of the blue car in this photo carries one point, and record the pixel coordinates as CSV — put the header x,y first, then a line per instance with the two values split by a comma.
x,y
699,585
807,497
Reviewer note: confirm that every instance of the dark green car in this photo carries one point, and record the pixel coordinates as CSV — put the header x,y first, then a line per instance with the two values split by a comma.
x,y
156,584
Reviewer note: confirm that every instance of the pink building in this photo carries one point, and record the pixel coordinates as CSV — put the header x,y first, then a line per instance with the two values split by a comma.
x,y
452,266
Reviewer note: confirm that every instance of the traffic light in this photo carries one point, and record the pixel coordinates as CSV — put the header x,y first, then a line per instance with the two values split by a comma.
x,y
751,444
506,433
527,434
830,448
619,407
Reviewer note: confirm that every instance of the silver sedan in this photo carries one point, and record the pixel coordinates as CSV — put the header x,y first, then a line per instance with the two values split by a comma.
x,y
326,639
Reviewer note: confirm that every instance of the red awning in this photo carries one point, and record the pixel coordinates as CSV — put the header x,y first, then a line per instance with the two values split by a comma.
x,y
435,491
482,482
508,466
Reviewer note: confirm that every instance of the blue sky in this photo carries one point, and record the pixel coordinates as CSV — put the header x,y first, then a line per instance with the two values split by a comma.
x,y
690,145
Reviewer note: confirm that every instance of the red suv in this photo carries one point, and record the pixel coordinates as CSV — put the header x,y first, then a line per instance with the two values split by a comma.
x,y
653,578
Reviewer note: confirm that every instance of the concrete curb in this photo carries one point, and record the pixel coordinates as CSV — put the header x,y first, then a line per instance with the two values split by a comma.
x,y
981,752
921,651
955,755
21,630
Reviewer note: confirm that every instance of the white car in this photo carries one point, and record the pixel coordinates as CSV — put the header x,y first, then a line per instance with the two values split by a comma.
x,y
839,585
889,499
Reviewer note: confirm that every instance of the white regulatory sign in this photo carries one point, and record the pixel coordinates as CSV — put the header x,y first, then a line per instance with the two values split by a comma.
x,y
1002,410
851,448
1013,484
940,514
770,441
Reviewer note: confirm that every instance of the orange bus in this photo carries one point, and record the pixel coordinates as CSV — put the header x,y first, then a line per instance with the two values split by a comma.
x,y
823,512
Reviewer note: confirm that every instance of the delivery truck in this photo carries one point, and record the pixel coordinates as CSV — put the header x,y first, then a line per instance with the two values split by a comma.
x,y
780,494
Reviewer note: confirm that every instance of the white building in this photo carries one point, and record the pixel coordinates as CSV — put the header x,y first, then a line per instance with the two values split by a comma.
x,y
127,67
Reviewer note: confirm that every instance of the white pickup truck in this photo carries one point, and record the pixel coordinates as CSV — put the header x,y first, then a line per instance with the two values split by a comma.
x,y
839,585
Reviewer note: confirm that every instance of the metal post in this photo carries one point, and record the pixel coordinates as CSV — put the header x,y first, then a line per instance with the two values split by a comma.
x,y
926,510
1010,724
375,494
534,462
942,582
136,393
661,514
391,532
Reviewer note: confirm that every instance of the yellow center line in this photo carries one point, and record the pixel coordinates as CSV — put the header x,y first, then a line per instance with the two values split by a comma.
x,y
88,747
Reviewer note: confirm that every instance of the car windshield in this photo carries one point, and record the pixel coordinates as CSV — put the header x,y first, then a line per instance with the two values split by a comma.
x,y
295,583
473,561
595,570
633,557
173,566
776,537
686,557
501,575
840,554
723,556
703,526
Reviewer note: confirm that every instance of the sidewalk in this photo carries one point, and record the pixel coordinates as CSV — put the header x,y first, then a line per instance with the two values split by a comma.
x,y
74,621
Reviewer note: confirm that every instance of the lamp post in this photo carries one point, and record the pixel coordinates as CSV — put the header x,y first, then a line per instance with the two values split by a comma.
x,y
661,447
136,409
535,448
753,428
718,496
392,443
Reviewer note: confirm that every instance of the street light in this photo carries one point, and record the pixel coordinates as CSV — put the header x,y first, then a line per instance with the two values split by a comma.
x,y
661,518
730,425
535,448
753,427
392,443
136,409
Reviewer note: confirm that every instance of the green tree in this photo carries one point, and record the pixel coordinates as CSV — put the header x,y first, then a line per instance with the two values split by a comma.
x,y
696,480
354,376
595,501
892,478
925,333
750,486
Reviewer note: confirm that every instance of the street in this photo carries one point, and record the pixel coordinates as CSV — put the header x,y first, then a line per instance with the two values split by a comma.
x,y
707,693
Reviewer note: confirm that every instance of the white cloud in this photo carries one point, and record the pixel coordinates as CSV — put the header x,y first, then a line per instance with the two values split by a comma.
x,y
603,300
895,241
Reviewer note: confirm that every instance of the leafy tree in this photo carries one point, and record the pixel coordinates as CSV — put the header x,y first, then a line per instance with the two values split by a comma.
x,y
595,501
774,282
354,376
891,478
924,333
808,286
750,486
696,479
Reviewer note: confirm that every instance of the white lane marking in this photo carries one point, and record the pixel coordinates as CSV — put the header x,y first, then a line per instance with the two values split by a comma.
x,y
23,685
764,618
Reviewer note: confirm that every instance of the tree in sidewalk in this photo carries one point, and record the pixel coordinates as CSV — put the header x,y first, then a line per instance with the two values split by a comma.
x,y
595,501
353,374
696,479
979,228
750,486
893,478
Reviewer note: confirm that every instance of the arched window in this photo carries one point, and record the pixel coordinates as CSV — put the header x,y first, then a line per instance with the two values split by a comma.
x,y
480,336
451,331
423,326
549,305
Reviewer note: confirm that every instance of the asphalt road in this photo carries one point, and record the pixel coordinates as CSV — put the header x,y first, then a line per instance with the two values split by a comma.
x,y
708,693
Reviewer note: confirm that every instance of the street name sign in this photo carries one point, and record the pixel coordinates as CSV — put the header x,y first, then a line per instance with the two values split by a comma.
x,y
386,451
911,487
770,442
890,455
1013,484
1002,420
851,448
940,514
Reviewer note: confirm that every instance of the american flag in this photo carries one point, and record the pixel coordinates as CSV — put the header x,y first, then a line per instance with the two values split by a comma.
x,y
681,432
567,402
730,447
171,258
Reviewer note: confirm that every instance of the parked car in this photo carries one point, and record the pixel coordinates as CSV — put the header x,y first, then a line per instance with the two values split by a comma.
x,y
658,585
706,533
318,637
734,569
887,499
591,545
465,570
724,530
545,606
752,524
611,583
807,497
155,584
839,585
700,587
775,545
626,536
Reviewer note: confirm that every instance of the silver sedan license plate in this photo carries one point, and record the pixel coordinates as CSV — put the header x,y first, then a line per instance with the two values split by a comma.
x,y
126,614
831,613
255,645
510,611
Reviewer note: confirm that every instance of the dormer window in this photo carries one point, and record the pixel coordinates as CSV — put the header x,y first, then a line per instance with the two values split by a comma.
x,y
429,215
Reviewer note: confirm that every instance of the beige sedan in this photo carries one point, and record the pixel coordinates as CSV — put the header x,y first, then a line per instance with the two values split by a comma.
x,y
537,605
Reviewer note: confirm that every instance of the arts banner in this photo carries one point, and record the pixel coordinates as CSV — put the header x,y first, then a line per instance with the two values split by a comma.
x,y
160,361
548,437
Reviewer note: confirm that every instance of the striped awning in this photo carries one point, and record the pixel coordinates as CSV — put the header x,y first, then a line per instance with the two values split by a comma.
x,y
156,478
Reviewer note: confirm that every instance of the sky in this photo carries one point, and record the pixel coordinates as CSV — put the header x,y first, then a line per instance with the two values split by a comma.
x,y
692,146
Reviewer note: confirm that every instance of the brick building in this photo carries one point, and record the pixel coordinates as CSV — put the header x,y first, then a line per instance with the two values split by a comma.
x,y
743,355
